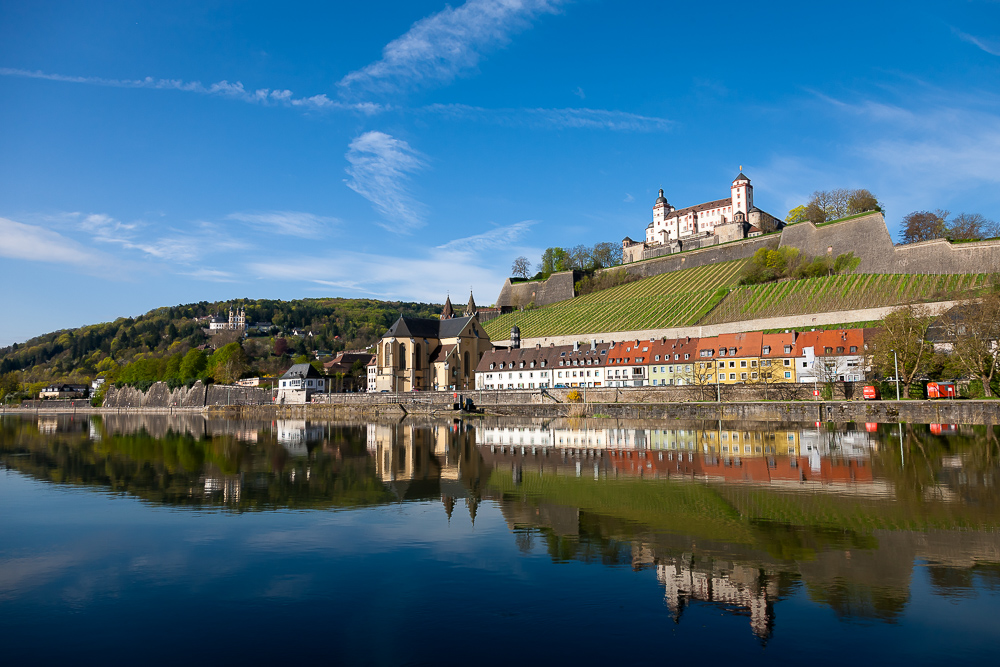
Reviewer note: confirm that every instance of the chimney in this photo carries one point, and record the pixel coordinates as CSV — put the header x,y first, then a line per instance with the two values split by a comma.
x,y
593,345
576,346
538,346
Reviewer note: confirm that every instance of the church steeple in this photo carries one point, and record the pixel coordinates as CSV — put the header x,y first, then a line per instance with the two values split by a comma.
x,y
471,309
447,312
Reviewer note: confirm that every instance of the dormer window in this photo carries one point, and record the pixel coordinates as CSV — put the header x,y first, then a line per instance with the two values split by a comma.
x,y
732,350
788,349
492,366
657,358
840,350
722,351
767,349
522,365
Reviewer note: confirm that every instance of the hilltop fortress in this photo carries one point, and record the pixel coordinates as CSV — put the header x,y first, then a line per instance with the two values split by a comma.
x,y
731,229
702,225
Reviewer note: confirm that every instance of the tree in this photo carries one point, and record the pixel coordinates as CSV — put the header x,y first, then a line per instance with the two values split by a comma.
x,y
974,329
862,200
521,267
904,331
924,226
967,226
797,214
193,364
605,255
280,346
228,363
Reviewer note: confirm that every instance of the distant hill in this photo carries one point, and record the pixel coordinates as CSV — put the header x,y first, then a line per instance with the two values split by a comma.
x,y
327,324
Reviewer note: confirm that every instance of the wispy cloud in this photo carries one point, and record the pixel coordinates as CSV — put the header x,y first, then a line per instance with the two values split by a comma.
x,y
37,244
628,198
579,93
422,275
990,46
234,91
583,118
501,237
291,223
380,166
440,47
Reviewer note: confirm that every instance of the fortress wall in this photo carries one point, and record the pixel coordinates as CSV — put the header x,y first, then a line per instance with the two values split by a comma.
x,y
557,287
701,257
868,238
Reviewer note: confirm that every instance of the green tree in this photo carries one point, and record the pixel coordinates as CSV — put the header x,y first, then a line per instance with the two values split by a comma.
x,y
797,214
193,365
903,331
228,363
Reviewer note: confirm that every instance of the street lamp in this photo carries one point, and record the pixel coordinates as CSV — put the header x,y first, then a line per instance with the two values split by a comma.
x,y
895,363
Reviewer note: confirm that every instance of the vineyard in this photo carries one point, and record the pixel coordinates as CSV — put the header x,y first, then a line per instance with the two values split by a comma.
x,y
672,299
844,292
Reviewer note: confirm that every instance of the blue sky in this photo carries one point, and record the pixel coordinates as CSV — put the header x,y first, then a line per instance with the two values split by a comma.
x,y
163,153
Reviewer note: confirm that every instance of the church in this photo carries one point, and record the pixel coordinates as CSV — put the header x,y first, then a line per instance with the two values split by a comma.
x,y
426,354
711,223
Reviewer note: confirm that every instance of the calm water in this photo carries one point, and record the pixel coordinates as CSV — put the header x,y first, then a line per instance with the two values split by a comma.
x,y
159,540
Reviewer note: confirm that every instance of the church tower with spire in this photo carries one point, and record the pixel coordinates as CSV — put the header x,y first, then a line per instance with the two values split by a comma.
x,y
447,312
470,309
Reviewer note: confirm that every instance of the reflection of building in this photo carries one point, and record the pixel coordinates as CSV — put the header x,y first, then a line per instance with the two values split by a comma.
x,y
419,461
295,435
739,589
229,487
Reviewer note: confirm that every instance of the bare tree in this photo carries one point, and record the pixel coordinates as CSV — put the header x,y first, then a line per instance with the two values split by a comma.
x,y
974,329
924,226
904,331
966,226
521,267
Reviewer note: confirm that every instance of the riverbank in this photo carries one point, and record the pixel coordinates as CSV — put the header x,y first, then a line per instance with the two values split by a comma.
x,y
912,411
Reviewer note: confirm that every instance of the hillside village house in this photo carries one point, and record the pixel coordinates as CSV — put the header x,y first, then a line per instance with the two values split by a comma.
x,y
64,391
543,367
673,230
673,361
836,355
418,354
299,383
628,364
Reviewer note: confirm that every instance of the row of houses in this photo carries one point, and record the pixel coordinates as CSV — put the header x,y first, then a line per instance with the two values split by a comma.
x,y
837,355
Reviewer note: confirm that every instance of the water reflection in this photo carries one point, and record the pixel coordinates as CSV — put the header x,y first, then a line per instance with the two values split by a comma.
x,y
736,516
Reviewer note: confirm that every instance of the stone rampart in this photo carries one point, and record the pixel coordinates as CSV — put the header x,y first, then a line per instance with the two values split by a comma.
x,y
701,257
196,396
557,287
868,238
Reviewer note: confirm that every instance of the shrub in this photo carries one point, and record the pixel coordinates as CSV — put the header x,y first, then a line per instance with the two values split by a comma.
x,y
574,397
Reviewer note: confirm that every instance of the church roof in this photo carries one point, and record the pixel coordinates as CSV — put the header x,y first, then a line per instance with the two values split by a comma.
x,y
471,308
447,311
419,327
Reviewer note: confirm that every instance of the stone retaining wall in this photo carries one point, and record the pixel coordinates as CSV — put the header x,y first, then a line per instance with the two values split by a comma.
x,y
196,396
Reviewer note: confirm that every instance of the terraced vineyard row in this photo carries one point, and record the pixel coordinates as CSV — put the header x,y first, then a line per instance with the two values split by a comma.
x,y
672,299
846,292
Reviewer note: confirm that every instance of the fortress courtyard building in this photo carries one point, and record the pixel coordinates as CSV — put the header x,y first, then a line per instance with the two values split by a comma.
x,y
720,221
